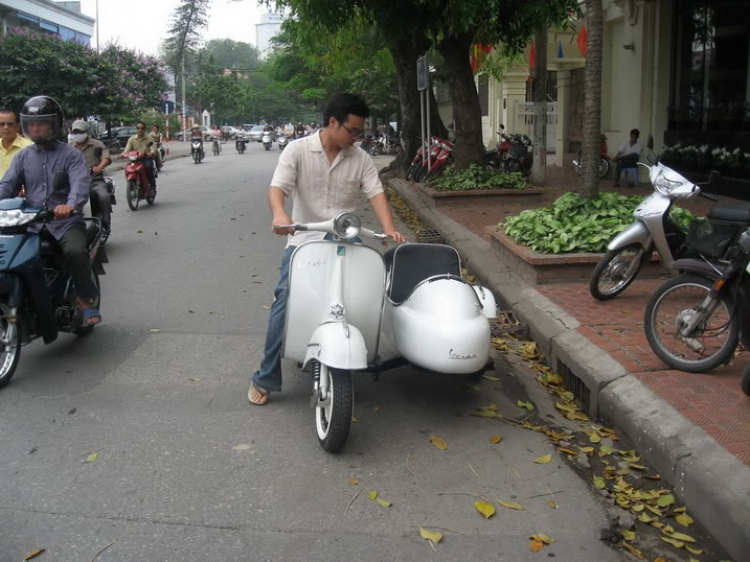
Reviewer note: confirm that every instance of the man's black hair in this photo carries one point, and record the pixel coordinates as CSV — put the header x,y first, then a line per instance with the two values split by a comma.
x,y
157,127
635,132
341,106
8,110
140,123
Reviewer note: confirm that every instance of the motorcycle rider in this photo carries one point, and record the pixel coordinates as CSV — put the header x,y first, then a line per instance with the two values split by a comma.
x,y
348,172
36,167
139,142
301,131
88,146
157,137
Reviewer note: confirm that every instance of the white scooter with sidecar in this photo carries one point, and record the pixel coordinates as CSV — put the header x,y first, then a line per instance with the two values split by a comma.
x,y
436,320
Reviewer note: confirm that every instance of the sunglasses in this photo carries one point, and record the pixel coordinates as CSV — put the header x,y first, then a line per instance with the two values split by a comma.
x,y
7,123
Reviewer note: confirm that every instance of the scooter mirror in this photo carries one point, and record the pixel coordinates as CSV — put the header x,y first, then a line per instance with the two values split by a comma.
x,y
713,177
347,225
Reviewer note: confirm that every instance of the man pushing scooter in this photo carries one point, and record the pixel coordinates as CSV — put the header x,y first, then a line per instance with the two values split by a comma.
x,y
324,174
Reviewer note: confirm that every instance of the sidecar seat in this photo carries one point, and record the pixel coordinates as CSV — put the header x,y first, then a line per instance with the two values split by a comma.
x,y
410,264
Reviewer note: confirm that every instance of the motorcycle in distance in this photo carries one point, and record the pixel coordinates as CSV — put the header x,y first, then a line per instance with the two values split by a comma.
x,y
216,146
266,140
338,289
37,296
94,200
652,229
196,150
138,186
239,143
282,142
693,322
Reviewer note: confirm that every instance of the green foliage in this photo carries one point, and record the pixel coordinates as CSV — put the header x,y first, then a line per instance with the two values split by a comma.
x,y
573,224
116,84
477,177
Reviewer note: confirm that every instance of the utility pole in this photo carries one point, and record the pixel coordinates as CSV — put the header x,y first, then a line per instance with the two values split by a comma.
x,y
539,167
184,112
97,26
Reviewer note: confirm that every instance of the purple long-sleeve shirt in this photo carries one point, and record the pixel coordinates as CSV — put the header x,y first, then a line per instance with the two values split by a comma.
x,y
35,167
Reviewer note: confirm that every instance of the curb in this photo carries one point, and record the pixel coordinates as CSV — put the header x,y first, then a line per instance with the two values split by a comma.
x,y
713,483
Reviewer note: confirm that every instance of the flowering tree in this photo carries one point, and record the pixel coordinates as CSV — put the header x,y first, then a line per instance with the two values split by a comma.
x,y
115,85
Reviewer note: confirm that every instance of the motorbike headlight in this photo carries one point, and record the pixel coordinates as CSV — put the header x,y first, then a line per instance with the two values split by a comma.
x,y
15,217
664,185
347,225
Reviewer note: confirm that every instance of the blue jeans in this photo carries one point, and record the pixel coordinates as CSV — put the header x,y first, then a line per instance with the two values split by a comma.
x,y
268,377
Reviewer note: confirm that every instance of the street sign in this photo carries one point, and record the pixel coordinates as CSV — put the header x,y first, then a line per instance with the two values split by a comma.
x,y
422,73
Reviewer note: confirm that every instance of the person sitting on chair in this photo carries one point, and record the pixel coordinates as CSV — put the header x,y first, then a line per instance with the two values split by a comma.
x,y
627,157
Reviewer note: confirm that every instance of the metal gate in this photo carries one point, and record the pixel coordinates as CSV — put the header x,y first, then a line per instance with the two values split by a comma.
x,y
525,122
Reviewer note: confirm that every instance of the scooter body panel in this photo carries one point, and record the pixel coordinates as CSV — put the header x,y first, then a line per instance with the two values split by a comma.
x,y
440,327
313,299
636,233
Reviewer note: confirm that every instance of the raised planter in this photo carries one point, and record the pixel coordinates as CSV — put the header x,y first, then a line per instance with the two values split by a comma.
x,y
543,269
438,199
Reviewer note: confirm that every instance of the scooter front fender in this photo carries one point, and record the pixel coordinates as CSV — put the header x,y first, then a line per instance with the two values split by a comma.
x,y
636,233
338,346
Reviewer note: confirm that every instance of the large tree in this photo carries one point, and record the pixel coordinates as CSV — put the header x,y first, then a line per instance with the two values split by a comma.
x,y
592,101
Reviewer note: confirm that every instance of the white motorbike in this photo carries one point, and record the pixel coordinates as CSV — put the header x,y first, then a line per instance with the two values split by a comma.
x,y
266,140
283,141
436,320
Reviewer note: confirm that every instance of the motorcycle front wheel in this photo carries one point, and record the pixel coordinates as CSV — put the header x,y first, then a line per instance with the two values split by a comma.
x,y
616,271
10,344
333,416
711,343
132,195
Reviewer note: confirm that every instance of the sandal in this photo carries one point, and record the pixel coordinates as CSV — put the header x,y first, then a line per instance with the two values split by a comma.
x,y
263,395
90,313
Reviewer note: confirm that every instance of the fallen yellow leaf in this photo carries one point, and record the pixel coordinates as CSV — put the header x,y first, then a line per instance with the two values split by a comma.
x,y
34,553
242,447
665,500
632,550
693,550
679,536
536,546
543,460
496,439
543,538
384,503
511,505
673,542
552,504
527,405
599,482
354,482
684,519
606,449
595,437
645,518
569,451
92,457
196,379
485,508
490,378
373,495
433,536
628,535
439,443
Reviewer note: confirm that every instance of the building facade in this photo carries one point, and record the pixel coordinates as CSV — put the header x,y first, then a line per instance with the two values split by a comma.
x,y
267,29
63,19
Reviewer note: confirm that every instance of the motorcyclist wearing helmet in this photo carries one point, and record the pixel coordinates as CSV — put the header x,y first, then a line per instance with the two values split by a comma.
x,y
36,168
300,130
97,158
146,148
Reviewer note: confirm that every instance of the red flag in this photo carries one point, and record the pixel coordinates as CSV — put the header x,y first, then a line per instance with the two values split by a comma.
x,y
532,56
478,54
581,41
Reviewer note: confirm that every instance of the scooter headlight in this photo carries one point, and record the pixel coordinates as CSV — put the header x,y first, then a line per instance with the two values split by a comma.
x,y
347,225
16,217
665,186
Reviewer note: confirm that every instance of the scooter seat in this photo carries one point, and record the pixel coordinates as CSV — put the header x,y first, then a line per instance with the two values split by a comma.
x,y
410,264
739,213
93,230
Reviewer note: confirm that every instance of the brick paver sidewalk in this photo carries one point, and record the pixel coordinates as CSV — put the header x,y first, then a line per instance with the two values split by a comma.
x,y
713,401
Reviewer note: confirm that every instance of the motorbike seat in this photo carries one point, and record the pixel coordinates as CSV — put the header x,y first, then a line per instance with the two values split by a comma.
x,y
93,230
739,213
410,264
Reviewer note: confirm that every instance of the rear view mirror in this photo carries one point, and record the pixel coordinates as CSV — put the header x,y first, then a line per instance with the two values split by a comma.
x,y
713,177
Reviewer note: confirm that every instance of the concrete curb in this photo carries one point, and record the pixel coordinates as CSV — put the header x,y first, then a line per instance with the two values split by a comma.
x,y
712,482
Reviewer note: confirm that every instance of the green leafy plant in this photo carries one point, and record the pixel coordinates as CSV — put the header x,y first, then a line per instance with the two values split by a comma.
x,y
573,224
477,177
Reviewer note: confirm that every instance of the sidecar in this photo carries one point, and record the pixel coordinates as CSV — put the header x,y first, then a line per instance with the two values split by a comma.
x,y
435,319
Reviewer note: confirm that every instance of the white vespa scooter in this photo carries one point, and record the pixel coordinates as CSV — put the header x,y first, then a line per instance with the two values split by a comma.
x,y
436,320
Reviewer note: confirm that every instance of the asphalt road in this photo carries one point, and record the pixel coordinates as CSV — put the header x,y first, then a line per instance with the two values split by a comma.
x,y
187,470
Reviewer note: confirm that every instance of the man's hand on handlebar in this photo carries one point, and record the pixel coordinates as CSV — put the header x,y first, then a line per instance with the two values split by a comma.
x,y
279,222
63,211
395,235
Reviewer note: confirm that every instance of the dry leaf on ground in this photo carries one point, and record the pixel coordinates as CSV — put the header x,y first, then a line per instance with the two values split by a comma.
x,y
536,546
432,536
92,457
543,460
511,505
439,443
485,508
496,439
34,553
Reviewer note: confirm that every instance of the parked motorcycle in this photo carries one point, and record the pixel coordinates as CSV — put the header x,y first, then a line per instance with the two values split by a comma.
x,y
138,186
436,147
693,322
196,150
37,295
436,320
652,230
216,146
514,153
239,143
441,161
283,141
266,140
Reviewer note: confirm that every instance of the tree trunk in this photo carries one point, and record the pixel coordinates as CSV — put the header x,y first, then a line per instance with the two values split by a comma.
x,y
539,167
468,148
405,54
592,104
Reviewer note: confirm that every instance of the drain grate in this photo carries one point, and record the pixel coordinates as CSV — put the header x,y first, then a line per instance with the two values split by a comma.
x,y
507,322
575,385
430,236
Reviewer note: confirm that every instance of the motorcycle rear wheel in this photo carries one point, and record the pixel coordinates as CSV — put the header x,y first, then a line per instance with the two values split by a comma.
x,y
671,306
11,345
333,419
608,280
132,195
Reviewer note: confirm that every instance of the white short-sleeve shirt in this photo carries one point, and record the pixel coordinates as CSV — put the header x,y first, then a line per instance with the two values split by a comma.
x,y
321,190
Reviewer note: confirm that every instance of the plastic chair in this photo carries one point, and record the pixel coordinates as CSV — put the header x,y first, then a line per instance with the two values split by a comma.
x,y
630,170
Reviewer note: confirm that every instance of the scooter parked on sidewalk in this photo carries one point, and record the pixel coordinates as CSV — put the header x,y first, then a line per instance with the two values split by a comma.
x,y
196,150
652,230
37,295
266,140
138,186
436,320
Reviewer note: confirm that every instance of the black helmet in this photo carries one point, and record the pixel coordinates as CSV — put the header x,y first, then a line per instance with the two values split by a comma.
x,y
42,109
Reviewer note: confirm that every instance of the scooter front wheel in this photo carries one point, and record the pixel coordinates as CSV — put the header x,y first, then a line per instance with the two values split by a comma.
x,y
10,346
132,195
333,414
616,271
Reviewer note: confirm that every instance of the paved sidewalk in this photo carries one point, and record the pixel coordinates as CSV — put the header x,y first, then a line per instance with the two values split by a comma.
x,y
694,429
